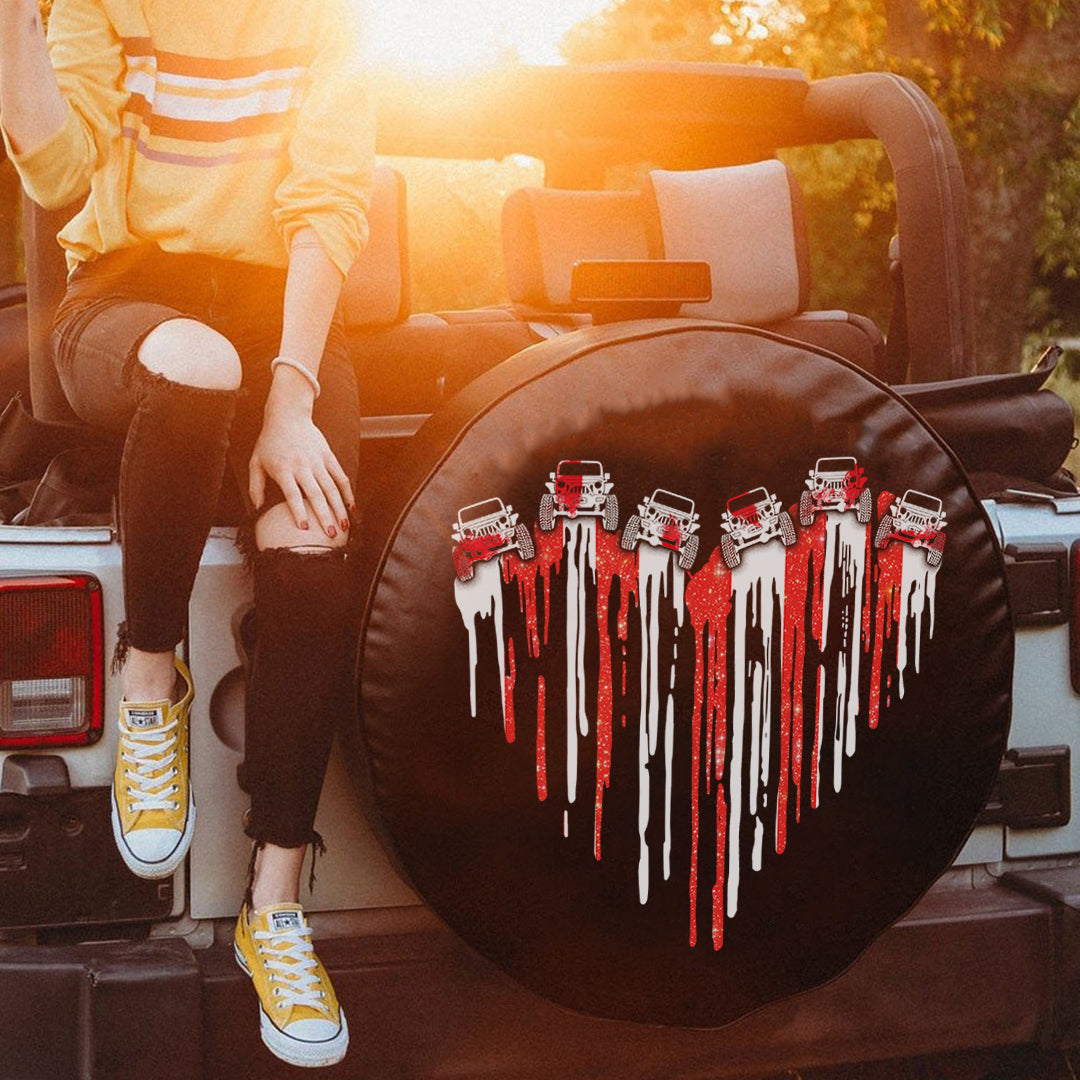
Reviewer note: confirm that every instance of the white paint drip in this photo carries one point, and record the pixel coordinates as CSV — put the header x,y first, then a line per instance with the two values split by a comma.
x,y
669,747
654,567
580,557
758,588
652,577
838,719
570,537
477,599
738,716
853,536
916,592
759,835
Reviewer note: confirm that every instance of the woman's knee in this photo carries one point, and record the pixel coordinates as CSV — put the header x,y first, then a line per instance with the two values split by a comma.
x,y
187,351
275,528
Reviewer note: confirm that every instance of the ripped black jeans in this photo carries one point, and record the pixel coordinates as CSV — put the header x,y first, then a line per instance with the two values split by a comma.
x,y
178,442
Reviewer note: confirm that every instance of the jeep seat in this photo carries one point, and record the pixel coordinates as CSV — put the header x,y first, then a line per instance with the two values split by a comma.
x,y
745,220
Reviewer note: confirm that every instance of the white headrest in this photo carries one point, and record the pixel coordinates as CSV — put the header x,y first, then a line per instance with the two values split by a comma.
x,y
746,222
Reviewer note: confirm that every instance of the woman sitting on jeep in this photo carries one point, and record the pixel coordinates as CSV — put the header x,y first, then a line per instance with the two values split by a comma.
x,y
223,155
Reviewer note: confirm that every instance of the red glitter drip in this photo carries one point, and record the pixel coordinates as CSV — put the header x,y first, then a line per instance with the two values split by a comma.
x,y
611,563
541,752
708,601
508,693
890,563
718,888
549,553
814,761
867,624
796,581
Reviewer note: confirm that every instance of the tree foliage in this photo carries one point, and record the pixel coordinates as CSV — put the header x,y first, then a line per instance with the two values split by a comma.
x,y
1003,72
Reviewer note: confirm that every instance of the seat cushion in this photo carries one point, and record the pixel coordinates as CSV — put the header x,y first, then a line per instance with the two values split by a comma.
x,y
854,337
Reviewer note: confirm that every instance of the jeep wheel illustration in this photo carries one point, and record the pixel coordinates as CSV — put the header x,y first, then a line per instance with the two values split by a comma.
x,y
526,547
547,512
689,553
806,509
463,566
611,514
933,552
884,532
787,528
729,551
865,506
630,533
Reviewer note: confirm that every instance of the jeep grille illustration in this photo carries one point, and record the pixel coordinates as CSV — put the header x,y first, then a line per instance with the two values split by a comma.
x,y
579,489
664,520
487,529
835,484
754,517
916,519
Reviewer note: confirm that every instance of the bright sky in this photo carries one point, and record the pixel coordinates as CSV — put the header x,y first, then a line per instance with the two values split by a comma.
x,y
433,36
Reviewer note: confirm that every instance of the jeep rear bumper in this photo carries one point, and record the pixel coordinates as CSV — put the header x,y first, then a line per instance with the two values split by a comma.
x,y
968,967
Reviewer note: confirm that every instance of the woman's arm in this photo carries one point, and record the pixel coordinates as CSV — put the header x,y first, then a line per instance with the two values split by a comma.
x,y
60,102
291,450
31,105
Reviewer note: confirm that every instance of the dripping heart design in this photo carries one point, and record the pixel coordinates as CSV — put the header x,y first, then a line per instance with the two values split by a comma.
x,y
800,636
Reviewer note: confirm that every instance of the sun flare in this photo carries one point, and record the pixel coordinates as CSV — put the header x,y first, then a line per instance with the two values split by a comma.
x,y
451,36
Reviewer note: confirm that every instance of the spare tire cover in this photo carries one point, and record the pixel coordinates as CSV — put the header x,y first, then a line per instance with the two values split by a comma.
x,y
667,794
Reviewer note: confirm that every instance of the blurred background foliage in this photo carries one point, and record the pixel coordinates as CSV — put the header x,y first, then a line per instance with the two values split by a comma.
x,y
1005,74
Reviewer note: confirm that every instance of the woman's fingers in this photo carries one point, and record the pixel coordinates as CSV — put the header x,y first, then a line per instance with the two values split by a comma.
x,y
333,467
256,482
294,500
333,497
317,501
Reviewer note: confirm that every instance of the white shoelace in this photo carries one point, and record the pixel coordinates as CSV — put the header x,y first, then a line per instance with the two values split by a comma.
x,y
150,752
297,983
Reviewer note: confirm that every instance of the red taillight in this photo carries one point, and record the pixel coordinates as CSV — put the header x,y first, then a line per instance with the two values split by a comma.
x,y
51,660
1074,625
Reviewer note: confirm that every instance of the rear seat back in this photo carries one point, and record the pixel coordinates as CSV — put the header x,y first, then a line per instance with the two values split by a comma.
x,y
746,221
546,230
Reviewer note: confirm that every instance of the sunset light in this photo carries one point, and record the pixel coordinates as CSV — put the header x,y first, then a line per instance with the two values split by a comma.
x,y
450,36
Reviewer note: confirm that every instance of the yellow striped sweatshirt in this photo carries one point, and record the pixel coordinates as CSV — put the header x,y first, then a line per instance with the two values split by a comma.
x,y
214,126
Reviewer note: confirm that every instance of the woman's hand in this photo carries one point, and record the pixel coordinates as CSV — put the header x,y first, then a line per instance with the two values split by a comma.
x,y
294,453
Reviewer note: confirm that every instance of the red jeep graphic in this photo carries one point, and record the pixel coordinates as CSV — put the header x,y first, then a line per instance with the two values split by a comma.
x,y
918,520
487,529
664,520
835,484
579,489
755,517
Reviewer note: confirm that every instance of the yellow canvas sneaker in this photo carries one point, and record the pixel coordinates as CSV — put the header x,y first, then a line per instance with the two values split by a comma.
x,y
153,809
299,1017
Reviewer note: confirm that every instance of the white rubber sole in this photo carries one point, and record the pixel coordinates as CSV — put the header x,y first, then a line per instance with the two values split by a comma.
x,y
305,1055
155,870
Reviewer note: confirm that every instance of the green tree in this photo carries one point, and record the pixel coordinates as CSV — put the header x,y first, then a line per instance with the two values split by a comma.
x,y
1005,74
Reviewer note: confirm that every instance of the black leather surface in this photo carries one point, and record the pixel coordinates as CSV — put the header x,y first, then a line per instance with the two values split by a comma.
x,y
708,411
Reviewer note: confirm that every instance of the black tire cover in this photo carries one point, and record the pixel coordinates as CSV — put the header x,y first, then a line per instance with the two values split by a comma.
x,y
787,893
